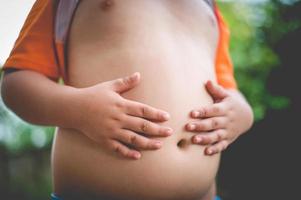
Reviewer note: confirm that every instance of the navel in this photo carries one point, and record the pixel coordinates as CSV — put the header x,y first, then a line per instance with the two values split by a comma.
x,y
106,5
182,143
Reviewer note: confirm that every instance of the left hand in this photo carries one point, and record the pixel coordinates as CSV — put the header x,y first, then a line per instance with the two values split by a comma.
x,y
222,122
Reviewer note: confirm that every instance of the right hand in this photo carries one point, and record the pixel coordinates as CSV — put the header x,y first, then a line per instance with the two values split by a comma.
x,y
114,122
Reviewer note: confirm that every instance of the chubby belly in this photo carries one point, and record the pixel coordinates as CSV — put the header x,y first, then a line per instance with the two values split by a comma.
x,y
174,64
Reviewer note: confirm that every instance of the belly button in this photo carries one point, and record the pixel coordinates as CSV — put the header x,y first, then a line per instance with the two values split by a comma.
x,y
182,143
106,4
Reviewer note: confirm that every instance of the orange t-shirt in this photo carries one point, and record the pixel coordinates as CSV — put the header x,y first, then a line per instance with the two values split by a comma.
x,y
38,49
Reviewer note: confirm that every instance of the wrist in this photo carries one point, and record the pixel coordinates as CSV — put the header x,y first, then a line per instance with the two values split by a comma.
x,y
67,106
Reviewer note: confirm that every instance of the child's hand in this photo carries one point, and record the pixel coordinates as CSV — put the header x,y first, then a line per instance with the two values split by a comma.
x,y
116,122
229,116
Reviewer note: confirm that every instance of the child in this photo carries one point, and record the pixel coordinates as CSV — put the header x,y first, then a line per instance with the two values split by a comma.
x,y
156,116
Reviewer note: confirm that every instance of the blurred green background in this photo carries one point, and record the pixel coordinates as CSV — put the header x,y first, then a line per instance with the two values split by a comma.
x,y
257,27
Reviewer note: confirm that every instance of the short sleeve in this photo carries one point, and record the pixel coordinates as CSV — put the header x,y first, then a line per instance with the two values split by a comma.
x,y
34,48
223,62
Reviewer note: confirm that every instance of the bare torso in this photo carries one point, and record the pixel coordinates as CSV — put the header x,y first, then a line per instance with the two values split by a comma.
x,y
172,44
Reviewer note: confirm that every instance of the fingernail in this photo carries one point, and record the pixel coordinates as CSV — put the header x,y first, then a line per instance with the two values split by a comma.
x,y
168,131
165,116
210,151
191,126
197,139
137,155
195,113
134,76
157,144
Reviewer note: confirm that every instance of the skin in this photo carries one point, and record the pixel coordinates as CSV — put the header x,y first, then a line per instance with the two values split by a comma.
x,y
76,108
223,122
45,108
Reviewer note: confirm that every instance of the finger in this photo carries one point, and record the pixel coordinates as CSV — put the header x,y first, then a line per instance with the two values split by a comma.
x,y
207,124
124,84
124,150
217,148
142,110
144,126
137,141
216,109
215,90
209,137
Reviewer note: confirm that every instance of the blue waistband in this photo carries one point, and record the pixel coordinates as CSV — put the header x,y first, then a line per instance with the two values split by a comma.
x,y
54,197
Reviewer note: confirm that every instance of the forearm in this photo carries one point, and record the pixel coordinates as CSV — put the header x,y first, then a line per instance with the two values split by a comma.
x,y
39,100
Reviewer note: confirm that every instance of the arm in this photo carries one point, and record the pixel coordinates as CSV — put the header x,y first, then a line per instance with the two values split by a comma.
x,y
99,111
39,100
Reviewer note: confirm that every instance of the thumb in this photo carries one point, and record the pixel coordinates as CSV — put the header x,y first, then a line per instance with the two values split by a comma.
x,y
124,84
216,91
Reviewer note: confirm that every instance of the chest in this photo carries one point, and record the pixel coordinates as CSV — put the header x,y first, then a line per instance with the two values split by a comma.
x,y
190,13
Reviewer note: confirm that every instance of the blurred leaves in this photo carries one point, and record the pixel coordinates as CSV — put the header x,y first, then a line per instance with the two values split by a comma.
x,y
18,136
255,28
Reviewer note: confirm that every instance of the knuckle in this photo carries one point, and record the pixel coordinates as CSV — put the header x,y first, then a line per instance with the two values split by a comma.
x,y
123,151
216,109
116,147
132,139
144,126
112,128
146,144
144,110
213,139
126,80
219,135
117,118
120,104
203,111
149,145
200,126
214,123
207,140
157,114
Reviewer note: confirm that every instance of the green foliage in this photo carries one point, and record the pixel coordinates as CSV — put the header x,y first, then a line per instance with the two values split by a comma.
x,y
18,136
254,30
252,55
